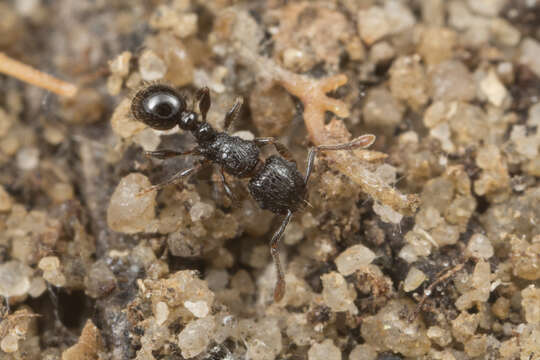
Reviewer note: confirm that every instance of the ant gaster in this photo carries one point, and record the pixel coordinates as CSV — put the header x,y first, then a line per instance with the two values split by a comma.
x,y
274,183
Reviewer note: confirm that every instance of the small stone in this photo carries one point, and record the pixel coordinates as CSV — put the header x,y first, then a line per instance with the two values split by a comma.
x,y
337,294
6,121
464,326
293,234
408,81
479,246
201,211
198,308
28,158
525,259
196,336
51,271
386,213
37,287
476,346
487,7
391,330
437,44
264,339
373,24
440,336
122,123
131,211
501,308
433,12
504,33
414,279
381,52
14,279
151,66
353,259
186,26
530,303
534,115
88,346
382,110
530,55
451,80
100,280
492,88
324,351
5,200
120,65
161,312
363,352
10,343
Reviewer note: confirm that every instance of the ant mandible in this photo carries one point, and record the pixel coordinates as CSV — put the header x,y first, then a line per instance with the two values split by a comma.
x,y
274,183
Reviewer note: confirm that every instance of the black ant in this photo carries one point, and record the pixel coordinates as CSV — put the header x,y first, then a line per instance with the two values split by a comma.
x,y
275,183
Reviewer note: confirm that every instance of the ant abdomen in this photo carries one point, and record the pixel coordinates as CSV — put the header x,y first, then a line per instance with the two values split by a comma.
x,y
158,106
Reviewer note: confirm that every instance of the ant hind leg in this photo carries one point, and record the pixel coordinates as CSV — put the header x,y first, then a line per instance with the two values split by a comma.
x,y
279,290
179,175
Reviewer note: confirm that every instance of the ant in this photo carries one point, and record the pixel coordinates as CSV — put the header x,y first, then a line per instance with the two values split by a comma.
x,y
276,184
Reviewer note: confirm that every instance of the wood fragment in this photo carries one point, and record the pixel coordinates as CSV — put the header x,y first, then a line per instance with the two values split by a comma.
x,y
28,74
312,93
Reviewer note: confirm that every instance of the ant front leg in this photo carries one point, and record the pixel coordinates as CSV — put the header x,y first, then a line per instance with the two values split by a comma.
x,y
179,175
360,142
279,290
166,154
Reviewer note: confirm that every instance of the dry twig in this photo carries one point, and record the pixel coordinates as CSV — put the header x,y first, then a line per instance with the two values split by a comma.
x,y
35,77
312,93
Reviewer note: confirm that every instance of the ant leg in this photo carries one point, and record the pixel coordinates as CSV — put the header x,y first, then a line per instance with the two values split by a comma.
x,y
174,178
279,290
363,141
226,186
165,154
203,98
233,113
280,148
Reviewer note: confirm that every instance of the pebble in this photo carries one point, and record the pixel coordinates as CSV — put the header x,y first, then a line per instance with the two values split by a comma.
x,y
376,22
28,158
161,312
382,110
492,88
390,330
408,81
530,303
487,7
196,336
440,336
437,44
51,271
479,246
128,211
451,80
151,66
6,202
354,258
363,352
14,279
530,55
198,308
324,351
337,294
414,279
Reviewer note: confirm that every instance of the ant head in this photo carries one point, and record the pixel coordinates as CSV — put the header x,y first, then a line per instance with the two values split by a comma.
x,y
158,106
204,132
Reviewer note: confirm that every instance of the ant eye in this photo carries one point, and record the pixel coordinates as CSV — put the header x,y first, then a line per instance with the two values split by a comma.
x,y
158,106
